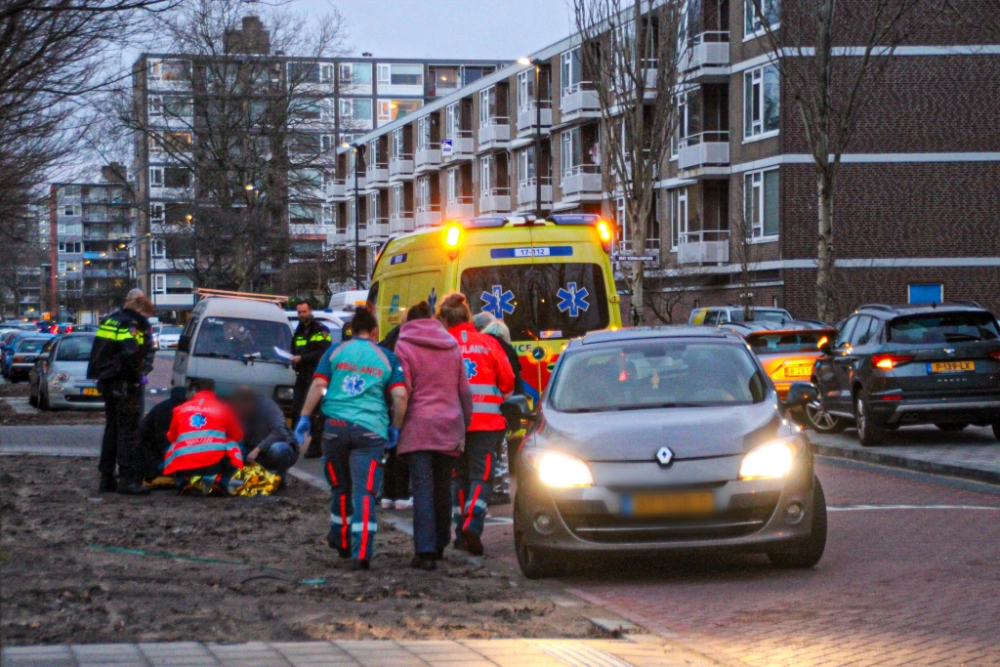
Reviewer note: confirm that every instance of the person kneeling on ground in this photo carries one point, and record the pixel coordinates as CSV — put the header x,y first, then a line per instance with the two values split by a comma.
x,y
266,438
153,442
204,435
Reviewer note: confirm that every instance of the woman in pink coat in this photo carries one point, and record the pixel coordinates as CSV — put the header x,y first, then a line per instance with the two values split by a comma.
x,y
433,433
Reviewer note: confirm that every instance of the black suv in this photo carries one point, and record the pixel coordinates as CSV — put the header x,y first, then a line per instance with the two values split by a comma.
x,y
892,366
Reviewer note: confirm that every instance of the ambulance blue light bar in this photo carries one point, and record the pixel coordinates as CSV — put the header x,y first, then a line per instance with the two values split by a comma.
x,y
482,223
575,219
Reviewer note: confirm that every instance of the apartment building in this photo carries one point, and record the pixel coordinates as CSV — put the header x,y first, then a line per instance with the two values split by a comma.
x,y
915,210
91,228
323,103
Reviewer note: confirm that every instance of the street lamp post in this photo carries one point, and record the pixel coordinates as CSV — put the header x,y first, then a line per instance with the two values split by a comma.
x,y
357,222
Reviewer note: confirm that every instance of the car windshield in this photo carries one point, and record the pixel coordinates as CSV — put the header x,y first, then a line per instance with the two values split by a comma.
x,y
31,344
764,315
171,331
237,338
540,301
75,348
639,374
776,342
943,328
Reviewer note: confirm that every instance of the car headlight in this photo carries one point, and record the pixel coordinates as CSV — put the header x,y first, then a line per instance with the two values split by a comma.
x,y
560,471
770,461
284,393
62,377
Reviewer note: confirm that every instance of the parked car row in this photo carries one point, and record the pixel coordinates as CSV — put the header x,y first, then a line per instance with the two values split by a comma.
x,y
58,379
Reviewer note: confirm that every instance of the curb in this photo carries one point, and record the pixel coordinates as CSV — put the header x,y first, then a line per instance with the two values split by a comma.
x,y
906,463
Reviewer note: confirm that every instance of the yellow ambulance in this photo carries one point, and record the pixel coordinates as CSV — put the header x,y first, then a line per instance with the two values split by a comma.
x,y
548,280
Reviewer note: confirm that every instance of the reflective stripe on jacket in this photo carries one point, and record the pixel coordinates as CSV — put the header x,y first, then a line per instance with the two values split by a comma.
x,y
119,347
310,341
490,376
202,431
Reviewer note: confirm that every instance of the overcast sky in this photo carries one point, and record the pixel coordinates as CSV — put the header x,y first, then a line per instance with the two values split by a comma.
x,y
488,29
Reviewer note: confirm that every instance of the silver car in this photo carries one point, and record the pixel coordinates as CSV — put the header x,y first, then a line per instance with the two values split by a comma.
x,y
62,378
664,440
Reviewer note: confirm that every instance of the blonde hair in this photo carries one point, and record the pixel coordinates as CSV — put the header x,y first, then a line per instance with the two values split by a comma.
x,y
499,329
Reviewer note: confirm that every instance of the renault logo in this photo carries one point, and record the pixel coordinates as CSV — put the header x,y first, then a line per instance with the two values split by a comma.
x,y
665,456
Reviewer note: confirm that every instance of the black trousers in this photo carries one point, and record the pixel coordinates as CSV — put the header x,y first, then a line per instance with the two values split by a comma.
x,y
303,380
396,480
123,413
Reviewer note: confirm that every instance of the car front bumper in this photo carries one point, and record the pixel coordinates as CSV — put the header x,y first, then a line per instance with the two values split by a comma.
x,y
69,396
750,515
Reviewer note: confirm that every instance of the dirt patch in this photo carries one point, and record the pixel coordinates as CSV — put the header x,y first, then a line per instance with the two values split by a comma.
x,y
11,417
8,389
268,554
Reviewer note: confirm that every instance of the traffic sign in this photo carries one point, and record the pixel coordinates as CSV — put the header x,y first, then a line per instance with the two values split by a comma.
x,y
447,148
646,259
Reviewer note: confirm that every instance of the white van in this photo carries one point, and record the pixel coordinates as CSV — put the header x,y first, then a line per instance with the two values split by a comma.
x,y
238,341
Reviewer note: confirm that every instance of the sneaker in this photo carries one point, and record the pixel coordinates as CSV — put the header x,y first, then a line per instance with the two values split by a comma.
x,y
388,503
424,562
108,485
361,565
404,504
473,544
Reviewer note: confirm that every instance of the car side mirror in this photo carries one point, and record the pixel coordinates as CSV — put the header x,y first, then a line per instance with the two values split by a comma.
x,y
801,394
826,348
516,410
184,344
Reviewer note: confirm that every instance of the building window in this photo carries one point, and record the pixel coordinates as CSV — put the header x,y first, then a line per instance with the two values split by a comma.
x,y
71,210
488,106
384,74
752,24
423,133
62,267
453,121
761,109
571,151
526,165
169,70
760,203
358,74
356,109
373,205
526,90
570,71
303,73
486,174
404,74
454,185
156,177
155,105
398,198
159,283
390,110
158,248
925,293
677,201
688,119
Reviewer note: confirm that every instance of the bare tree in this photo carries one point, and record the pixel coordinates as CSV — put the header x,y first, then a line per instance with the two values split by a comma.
x,y
832,55
251,131
630,52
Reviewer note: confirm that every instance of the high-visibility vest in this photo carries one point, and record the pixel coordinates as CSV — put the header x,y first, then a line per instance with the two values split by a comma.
x,y
490,376
202,432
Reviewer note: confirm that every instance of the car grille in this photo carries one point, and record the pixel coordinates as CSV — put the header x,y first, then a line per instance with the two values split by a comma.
x,y
747,513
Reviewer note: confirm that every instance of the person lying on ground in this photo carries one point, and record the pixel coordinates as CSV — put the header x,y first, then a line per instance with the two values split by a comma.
x,y
267,440
204,435
153,442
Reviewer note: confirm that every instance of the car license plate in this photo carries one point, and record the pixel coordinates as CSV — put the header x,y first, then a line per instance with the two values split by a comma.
x,y
798,371
668,504
952,367
90,391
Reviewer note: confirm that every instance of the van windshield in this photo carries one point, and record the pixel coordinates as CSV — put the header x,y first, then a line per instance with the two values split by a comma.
x,y
540,301
237,338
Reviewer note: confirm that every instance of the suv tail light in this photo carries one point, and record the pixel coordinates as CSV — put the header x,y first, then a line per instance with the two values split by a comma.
x,y
995,354
887,362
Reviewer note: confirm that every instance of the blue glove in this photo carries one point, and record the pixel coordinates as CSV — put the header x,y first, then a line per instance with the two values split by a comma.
x,y
393,438
143,381
302,429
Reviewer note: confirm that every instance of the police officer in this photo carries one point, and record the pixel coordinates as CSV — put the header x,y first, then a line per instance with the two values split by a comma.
x,y
119,361
310,341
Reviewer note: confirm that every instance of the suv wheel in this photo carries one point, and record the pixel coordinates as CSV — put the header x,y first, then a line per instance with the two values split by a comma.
x,y
822,421
871,426
809,551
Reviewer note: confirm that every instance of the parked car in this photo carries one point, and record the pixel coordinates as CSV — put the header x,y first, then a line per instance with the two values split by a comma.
x,y
789,353
663,441
7,347
82,328
62,376
26,349
166,336
38,371
725,314
893,366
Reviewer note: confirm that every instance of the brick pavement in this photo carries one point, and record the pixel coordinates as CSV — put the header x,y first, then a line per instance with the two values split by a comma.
x,y
642,651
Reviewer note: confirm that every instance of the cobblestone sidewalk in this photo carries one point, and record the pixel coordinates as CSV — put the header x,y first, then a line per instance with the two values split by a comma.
x,y
642,651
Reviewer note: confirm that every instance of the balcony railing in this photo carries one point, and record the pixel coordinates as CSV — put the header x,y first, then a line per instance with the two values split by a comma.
x,y
428,216
527,116
401,168
527,194
362,183
494,133
579,101
378,229
703,149
704,247
427,158
400,222
361,235
581,180
336,189
376,175
458,148
495,200
340,237
460,207
708,49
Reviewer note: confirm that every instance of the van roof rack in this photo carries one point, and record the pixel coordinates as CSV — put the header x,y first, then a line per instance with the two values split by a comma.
x,y
204,293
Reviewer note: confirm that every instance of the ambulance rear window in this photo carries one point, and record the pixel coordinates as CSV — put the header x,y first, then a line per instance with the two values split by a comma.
x,y
535,300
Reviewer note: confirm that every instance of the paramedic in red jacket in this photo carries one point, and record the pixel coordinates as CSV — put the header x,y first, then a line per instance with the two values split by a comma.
x,y
491,379
205,437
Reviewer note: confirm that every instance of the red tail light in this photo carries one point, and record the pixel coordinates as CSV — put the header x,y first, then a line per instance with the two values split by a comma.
x,y
995,355
889,361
